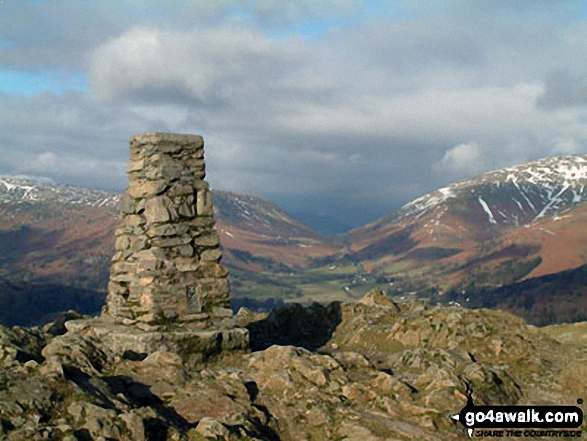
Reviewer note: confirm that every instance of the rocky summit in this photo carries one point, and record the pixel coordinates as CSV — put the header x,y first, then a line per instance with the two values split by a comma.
x,y
369,370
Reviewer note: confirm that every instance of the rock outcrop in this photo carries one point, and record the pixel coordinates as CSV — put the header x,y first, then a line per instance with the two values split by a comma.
x,y
387,372
167,257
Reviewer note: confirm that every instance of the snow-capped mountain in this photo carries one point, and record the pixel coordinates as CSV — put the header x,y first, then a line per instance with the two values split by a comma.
x,y
534,213
17,189
515,195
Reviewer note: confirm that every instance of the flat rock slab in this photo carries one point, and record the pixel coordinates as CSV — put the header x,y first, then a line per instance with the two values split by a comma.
x,y
192,343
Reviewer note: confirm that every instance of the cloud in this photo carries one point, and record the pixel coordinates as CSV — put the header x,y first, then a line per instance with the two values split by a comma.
x,y
317,104
463,160
316,156
567,146
198,67
563,89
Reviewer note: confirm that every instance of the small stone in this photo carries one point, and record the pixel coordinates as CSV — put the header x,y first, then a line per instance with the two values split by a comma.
x,y
211,270
31,364
168,230
143,188
117,256
185,265
213,255
160,209
211,428
129,205
134,220
150,265
221,312
185,250
204,203
147,318
210,240
172,241
187,210
135,166
123,278
138,244
153,253
122,243
116,288
178,189
169,147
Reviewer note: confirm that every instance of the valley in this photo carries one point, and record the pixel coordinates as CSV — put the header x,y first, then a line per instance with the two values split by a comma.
x,y
468,243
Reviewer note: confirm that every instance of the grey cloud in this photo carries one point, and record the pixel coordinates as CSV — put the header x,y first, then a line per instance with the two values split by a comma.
x,y
563,89
353,124
67,138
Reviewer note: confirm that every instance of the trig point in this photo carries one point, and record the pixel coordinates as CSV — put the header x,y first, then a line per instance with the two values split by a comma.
x,y
167,261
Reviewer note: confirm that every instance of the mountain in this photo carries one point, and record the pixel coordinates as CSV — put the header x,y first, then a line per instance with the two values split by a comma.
x,y
49,229
457,243
56,241
506,225
256,235
55,233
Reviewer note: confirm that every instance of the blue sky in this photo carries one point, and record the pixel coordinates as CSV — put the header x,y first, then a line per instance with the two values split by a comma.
x,y
346,108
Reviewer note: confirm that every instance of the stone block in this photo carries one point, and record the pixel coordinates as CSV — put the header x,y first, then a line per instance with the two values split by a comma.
x,y
167,230
160,209
187,209
143,188
208,240
165,242
185,250
204,203
135,166
213,255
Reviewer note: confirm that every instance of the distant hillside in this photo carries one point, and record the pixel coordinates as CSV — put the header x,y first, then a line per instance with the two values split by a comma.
x,y
503,226
61,234
474,237
555,298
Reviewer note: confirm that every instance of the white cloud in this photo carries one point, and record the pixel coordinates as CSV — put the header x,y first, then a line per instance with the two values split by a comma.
x,y
46,162
316,156
463,160
200,66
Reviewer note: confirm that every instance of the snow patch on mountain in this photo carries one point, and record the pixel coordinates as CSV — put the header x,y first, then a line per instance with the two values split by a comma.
x,y
523,193
27,190
487,210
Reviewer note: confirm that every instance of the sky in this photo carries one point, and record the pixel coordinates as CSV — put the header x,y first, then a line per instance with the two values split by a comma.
x,y
339,111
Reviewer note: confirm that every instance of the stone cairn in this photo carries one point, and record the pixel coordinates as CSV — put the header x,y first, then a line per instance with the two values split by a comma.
x,y
167,257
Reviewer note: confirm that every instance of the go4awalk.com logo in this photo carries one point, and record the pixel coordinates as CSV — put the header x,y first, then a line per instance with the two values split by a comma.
x,y
520,421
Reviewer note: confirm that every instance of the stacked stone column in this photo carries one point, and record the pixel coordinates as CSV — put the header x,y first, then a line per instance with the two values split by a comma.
x,y
167,257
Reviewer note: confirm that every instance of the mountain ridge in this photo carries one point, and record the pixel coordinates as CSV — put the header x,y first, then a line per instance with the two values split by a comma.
x,y
480,219
442,241
572,167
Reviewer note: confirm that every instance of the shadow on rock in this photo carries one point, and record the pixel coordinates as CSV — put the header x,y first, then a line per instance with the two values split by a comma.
x,y
140,395
307,327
